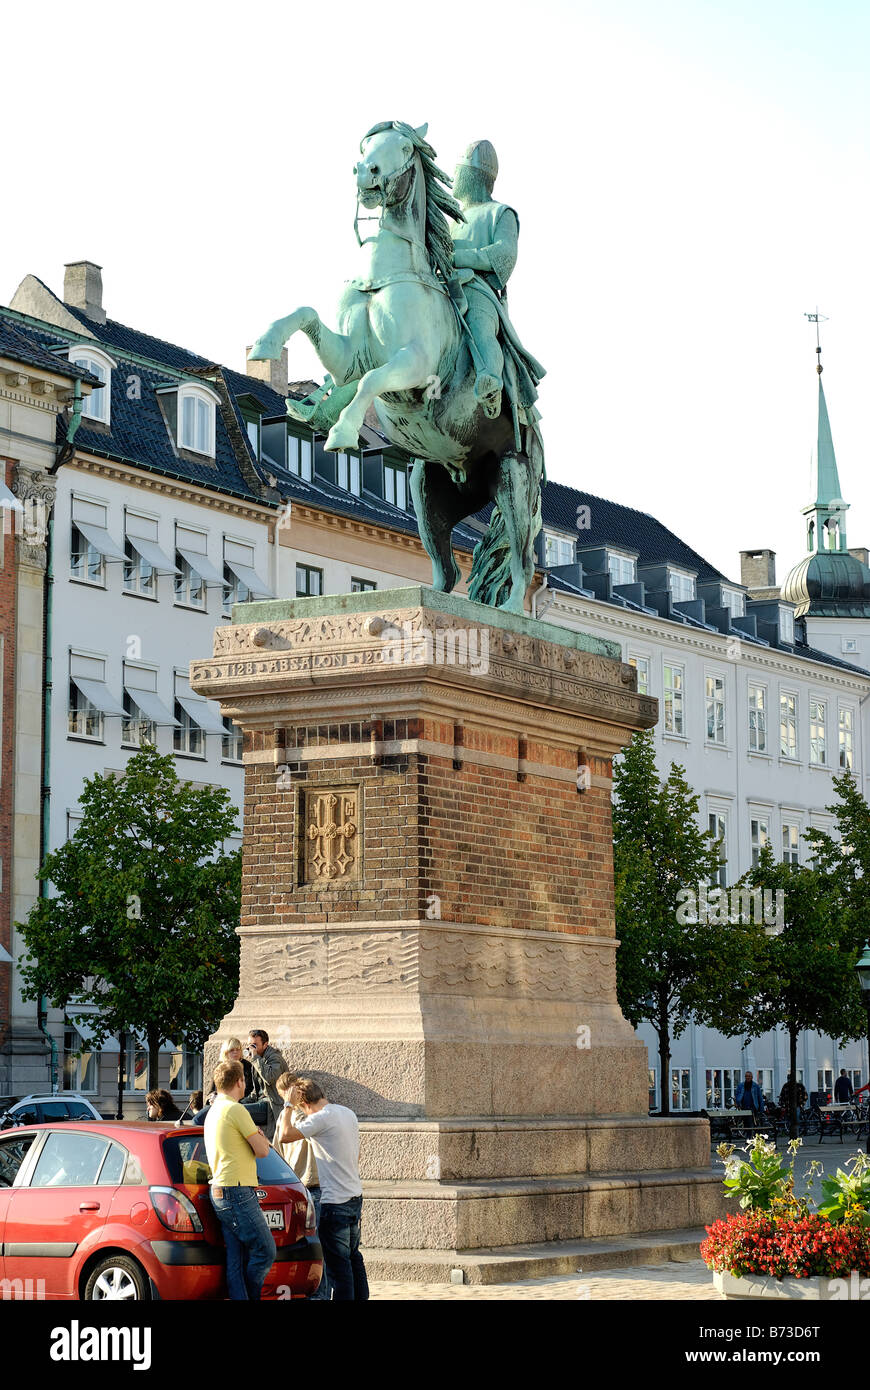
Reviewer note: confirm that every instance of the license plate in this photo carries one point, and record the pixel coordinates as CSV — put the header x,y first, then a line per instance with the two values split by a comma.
x,y
275,1219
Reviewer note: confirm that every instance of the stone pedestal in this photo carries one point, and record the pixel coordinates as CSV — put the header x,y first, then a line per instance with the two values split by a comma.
x,y
427,915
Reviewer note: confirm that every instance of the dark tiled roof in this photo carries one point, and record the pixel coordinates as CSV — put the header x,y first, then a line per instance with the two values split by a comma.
x,y
613,524
17,343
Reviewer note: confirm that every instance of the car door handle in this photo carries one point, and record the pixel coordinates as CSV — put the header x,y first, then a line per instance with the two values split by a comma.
x,y
89,1206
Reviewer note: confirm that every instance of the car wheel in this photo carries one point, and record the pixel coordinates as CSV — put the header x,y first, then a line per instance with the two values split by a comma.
x,y
117,1277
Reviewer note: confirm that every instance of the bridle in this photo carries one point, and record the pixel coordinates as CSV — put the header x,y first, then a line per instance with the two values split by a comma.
x,y
386,188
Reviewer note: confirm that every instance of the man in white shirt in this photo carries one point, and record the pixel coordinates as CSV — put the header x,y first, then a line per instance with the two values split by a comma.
x,y
333,1133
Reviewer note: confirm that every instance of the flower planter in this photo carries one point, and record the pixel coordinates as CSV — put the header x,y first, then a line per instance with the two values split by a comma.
x,y
815,1288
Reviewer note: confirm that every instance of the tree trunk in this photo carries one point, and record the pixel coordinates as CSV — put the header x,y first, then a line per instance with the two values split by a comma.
x,y
153,1061
122,1072
792,1100
664,1059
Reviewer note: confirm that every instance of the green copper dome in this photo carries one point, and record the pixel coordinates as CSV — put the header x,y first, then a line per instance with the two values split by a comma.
x,y
829,584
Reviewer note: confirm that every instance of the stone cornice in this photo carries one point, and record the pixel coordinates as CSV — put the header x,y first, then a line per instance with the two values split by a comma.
x,y
712,645
360,526
172,487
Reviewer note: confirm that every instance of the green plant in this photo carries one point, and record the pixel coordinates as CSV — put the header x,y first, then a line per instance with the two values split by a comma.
x,y
846,1197
761,1182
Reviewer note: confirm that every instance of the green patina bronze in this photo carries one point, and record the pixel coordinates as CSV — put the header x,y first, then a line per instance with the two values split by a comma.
x,y
425,339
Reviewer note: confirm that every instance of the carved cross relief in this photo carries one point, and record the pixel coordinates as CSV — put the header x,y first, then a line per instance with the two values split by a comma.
x,y
331,825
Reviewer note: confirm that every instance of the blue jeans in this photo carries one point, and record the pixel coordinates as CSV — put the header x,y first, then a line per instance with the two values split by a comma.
x,y
250,1244
323,1292
339,1236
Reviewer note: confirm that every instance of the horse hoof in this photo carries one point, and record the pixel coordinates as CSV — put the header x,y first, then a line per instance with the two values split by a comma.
x,y
340,437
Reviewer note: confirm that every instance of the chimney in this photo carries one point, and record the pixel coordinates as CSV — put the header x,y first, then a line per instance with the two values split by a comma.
x,y
860,553
273,373
758,569
83,289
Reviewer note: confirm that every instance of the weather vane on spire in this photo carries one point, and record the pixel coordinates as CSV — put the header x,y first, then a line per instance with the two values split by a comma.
x,y
817,318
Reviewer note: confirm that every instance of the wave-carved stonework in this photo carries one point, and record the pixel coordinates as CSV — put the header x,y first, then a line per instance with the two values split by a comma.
x,y
429,960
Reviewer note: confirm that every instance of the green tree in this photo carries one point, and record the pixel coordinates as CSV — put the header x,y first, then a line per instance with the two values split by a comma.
x,y
144,918
803,973
672,966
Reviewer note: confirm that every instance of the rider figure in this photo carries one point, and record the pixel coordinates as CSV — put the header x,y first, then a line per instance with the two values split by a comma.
x,y
486,242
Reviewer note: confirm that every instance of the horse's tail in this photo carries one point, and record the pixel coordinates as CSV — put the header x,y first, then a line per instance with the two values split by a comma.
x,y
490,575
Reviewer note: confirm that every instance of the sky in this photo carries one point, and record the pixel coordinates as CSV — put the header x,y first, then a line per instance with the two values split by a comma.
x,y
691,178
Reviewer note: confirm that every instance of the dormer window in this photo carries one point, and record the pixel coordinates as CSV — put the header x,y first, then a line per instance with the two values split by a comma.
x,y
681,585
734,601
558,550
349,473
196,419
622,568
786,626
96,406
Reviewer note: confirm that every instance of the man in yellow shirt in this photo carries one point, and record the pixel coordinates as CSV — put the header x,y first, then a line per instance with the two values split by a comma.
x,y
233,1143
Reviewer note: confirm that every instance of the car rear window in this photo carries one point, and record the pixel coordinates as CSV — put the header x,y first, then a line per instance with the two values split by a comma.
x,y
187,1162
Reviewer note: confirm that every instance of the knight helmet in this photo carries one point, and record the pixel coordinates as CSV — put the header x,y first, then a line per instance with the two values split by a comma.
x,y
481,155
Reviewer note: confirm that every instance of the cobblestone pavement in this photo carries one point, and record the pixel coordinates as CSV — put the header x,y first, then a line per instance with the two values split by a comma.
x,y
686,1280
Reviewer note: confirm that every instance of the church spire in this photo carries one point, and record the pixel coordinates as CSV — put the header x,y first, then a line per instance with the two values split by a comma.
x,y
826,517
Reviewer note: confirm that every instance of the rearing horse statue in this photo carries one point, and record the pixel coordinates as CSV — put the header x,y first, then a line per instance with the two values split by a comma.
x,y
403,348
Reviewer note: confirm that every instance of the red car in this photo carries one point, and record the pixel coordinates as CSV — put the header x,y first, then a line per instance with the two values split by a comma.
x,y
121,1210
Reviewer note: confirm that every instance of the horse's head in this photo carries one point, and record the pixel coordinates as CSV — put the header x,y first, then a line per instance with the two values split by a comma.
x,y
384,170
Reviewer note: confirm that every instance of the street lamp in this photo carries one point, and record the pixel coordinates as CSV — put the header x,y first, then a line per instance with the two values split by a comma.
x,y
862,970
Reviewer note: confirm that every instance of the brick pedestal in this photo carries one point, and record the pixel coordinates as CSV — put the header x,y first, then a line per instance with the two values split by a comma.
x,y
427,915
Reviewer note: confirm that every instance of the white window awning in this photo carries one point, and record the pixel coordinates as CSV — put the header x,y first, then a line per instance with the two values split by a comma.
x,y
100,540
152,707
9,500
200,711
99,695
204,568
250,579
153,555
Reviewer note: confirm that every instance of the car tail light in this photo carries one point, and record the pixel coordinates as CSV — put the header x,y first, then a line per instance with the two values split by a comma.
x,y
310,1218
175,1211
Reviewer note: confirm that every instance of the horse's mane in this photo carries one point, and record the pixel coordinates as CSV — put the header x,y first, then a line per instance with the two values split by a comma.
x,y
439,202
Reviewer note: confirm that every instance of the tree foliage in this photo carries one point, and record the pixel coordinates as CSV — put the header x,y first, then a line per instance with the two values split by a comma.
x,y
144,915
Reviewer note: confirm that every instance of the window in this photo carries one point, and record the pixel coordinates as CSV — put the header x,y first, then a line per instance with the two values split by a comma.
x,y
300,457
252,428
715,703
846,738
12,1154
621,567
681,585
138,573
717,824
362,586
232,742
786,626
79,1061
69,1158
757,719
764,1077
558,550
196,415
96,406
824,1079
855,1078
189,736
185,1071
111,1173
135,730
674,723
136,1067
309,581
791,838
759,836
641,665
788,740
681,1088
189,584
349,476
86,563
243,584
850,646
721,1086
653,1075
235,591
396,485
85,719
734,601
818,737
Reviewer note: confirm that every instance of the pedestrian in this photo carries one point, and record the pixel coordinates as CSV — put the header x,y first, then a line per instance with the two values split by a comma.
x,y
159,1105
842,1088
300,1156
785,1094
749,1096
231,1051
233,1143
266,1065
333,1131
